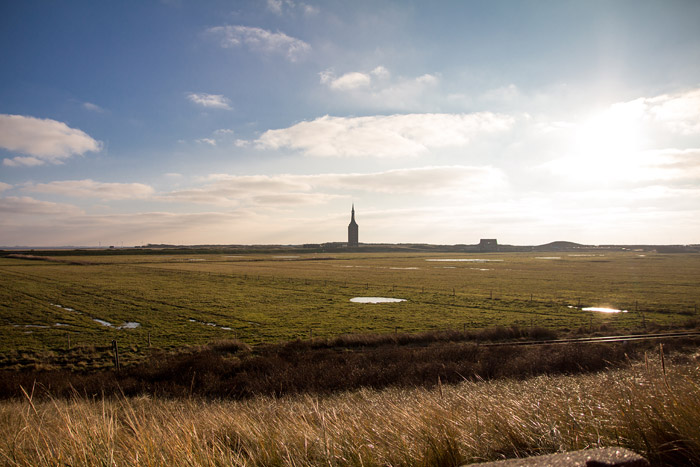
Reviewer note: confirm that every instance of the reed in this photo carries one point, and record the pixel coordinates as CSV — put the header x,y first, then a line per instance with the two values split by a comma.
x,y
642,407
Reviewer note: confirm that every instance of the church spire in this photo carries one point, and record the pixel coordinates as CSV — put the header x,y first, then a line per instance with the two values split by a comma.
x,y
353,234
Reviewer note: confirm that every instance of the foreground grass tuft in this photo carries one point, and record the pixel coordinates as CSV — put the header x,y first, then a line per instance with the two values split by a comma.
x,y
645,407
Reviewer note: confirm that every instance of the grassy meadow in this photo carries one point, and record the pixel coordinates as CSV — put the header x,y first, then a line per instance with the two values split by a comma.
x,y
49,307
262,359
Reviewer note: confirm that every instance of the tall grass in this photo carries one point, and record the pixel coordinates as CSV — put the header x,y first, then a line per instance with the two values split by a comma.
x,y
645,407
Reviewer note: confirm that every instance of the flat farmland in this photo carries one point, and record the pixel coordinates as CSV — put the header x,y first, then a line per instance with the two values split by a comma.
x,y
179,300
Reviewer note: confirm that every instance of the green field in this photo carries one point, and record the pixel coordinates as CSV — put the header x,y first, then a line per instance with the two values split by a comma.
x,y
180,300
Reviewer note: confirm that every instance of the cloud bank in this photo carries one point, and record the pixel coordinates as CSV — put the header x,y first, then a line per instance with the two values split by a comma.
x,y
383,136
92,189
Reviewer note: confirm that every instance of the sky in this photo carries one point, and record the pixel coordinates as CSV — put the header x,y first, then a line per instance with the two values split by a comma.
x,y
263,122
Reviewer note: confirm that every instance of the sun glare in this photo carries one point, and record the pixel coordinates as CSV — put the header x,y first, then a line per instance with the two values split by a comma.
x,y
607,145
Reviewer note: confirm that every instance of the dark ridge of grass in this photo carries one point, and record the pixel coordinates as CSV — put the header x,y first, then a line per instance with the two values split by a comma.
x,y
231,370
493,334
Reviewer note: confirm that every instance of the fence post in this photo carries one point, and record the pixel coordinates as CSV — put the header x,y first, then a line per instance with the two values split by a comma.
x,y
116,354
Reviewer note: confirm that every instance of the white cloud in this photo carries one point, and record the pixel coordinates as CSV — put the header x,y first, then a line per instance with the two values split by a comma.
x,y
427,79
278,7
346,82
231,190
209,141
308,10
23,161
24,205
380,72
92,189
383,136
4,186
678,112
213,101
223,132
261,40
92,107
42,140
295,190
378,89
275,6
457,180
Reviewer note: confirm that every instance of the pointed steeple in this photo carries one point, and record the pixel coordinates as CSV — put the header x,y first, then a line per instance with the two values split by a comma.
x,y
353,230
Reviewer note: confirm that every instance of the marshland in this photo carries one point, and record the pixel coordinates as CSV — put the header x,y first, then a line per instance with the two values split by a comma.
x,y
266,359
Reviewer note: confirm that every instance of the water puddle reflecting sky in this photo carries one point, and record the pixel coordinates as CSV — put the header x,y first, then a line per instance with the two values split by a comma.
x,y
376,300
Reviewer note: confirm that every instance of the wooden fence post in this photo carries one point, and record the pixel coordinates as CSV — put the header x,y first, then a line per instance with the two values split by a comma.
x,y
116,354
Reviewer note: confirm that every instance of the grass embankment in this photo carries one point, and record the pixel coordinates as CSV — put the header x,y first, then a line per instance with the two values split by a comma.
x,y
647,408
232,369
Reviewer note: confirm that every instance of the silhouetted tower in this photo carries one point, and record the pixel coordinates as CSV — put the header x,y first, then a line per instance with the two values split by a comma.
x,y
353,230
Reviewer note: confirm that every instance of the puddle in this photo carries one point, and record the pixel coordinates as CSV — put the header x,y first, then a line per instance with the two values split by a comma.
x,y
39,326
598,309
586,255
214,325
547,257
376,300
466,260
61,324
480,269
64,307
195,259
125,325
103,322
286,257
603,310
403,268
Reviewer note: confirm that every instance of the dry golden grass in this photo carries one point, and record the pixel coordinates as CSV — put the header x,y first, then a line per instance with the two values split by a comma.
x,y
646,408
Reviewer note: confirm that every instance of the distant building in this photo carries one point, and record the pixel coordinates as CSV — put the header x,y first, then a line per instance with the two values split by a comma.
x,y
353,230
488,244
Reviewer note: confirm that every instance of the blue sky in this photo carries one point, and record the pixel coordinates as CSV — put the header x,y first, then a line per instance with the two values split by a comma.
x,y
257,122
